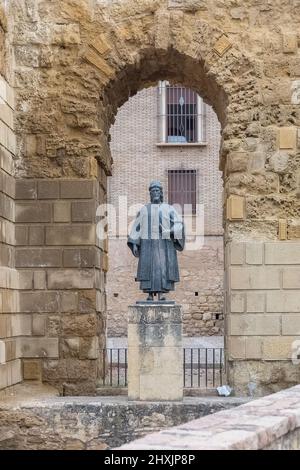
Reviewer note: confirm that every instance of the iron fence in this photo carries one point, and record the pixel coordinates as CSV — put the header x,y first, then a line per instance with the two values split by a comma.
x,y
203,368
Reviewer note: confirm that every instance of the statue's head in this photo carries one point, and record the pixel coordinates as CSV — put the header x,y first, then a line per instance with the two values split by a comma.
x,y
156,192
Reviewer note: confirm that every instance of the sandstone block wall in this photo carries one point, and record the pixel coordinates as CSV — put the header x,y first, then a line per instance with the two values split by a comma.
x,y
263,328
76,63
61,265
12,325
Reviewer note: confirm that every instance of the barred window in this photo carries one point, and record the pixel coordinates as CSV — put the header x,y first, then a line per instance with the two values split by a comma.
x,y
181,115
182,189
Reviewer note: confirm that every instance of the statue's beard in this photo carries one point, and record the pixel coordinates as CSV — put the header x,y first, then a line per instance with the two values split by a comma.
x,y
155,200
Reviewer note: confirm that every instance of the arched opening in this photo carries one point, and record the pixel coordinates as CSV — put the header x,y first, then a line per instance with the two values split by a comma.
x,y
168,133
141,153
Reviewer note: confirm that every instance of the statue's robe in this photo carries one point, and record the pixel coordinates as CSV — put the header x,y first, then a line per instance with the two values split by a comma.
x,y
158,232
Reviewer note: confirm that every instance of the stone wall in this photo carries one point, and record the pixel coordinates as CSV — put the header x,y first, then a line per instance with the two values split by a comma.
x,y
76,63
12,324
138,159
271,422
62,275
263,329
94,423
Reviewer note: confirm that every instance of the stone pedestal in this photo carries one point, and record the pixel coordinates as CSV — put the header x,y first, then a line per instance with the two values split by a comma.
x,y
155,356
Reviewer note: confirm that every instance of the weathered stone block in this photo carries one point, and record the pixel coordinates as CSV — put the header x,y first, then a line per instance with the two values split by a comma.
x,y
287,137
37,347
10,349
20,325
21,233
254,277
32,369
291,278
101,44
71,279
83,211
39,280
282,229
289,42
79,258
38,257
69,301
255,302
278,347
283,301
155,353
291,324
7,138
38,302
48,189
36,235
14,372
254,324
95,59
253,347
236,348
79,325
254,253
72,370
77,189
237,161
282,252
237,303
26,279
237,253
235,207
89,348
88,301
37,212
71,235
38,325
62,211
26,189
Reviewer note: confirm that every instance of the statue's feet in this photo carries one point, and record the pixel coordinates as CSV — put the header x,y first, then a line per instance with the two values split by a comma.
x,y
150,298
160,297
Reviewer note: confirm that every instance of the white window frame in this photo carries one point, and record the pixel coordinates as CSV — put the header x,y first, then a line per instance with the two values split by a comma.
x,y
162,119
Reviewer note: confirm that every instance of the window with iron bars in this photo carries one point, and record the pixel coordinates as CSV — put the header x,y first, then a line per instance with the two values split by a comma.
x,y
181,115
182,190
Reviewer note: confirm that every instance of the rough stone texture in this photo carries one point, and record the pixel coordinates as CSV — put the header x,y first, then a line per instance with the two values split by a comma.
x,y
75,64
271,422
155,353
138,159
93,423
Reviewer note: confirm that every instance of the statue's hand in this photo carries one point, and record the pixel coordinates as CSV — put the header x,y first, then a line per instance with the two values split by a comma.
x,y
135,250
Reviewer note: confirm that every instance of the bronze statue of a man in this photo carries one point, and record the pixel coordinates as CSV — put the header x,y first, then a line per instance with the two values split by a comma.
x,y
156,236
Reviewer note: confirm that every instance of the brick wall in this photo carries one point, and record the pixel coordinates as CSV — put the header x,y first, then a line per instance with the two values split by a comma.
x,y
138,160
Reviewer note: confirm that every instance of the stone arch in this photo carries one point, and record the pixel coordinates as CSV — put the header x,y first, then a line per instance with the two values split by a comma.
x,y
78,64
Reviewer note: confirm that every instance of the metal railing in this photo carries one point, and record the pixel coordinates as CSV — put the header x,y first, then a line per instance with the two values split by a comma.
x,y
203,368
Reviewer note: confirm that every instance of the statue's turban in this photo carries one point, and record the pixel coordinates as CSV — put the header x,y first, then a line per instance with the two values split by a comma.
x,y
155,184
